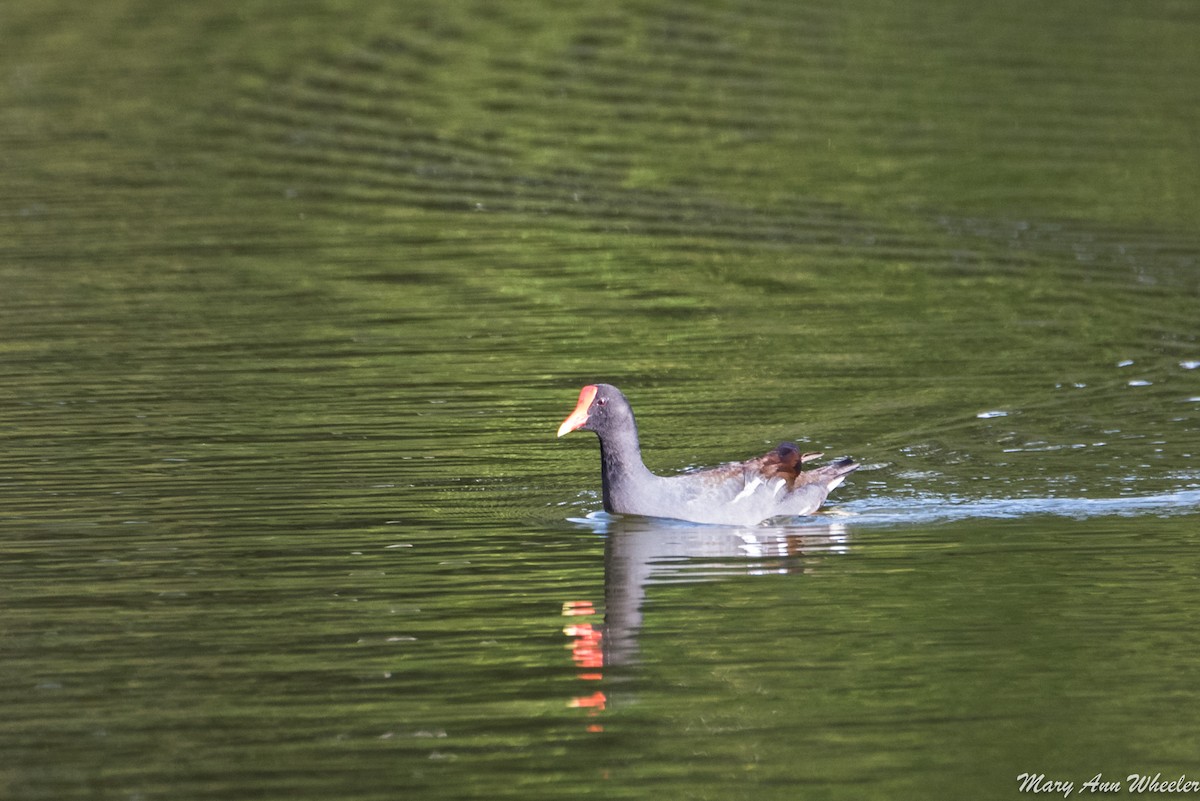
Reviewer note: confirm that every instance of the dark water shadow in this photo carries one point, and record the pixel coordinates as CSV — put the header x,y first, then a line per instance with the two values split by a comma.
x,y
640,552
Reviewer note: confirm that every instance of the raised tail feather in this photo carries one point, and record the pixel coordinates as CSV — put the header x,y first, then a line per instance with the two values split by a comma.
x,y
831,475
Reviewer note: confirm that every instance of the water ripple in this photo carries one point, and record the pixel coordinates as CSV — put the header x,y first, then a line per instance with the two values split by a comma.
x,y
937,508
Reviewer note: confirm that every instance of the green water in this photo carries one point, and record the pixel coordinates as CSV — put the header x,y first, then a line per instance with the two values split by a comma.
x,y
292,300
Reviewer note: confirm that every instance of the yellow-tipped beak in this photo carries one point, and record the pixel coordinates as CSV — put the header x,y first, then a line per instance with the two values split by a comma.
x,y
580,415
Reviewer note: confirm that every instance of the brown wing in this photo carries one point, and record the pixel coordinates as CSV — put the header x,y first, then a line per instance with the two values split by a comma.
x,y
783,462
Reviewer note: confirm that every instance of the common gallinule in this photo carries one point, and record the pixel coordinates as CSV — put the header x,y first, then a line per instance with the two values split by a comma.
x,y
738,493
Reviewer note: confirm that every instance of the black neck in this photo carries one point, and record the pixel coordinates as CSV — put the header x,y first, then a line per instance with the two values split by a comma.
x,y
620,461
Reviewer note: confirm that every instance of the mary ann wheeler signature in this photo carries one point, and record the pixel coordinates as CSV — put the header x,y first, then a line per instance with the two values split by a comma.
x,y
1140,783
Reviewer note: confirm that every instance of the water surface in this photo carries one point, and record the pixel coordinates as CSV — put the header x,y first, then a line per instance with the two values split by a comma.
x,y
293,301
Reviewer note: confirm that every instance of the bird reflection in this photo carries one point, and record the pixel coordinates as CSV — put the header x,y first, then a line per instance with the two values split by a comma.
x,y
642,551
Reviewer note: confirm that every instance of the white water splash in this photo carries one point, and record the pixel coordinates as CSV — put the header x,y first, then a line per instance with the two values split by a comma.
x,y
932,508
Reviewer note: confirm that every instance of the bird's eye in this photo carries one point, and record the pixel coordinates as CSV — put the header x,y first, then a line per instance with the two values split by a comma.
x,y
601,401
